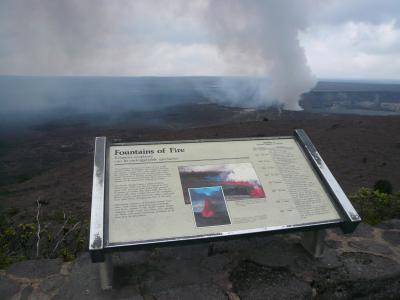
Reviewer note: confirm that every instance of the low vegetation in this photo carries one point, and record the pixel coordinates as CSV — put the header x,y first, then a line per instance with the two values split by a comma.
x,y
377,205
383,186
60,235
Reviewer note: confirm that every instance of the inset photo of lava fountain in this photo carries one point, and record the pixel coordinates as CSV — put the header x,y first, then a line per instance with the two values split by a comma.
x,y
209,206
238,181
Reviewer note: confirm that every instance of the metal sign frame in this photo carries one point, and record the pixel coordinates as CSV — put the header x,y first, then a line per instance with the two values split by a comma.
x,y
98,246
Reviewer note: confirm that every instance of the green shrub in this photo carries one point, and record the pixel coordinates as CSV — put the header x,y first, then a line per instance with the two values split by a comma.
x,y
376,206
383,186
18,241
67,256
15,242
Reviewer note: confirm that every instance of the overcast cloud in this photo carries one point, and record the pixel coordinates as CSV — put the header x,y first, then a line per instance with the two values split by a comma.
x,y
340,39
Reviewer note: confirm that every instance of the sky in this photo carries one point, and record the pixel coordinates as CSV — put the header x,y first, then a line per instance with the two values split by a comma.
x,y
357,39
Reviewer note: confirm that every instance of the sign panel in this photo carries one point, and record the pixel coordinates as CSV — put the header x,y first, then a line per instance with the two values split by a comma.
x,y
161,192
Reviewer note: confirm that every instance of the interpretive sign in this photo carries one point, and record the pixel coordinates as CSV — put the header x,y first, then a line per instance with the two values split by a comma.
x,y
154,193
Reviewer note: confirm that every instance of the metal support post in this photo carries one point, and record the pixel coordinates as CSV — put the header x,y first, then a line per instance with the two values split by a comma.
x,y
313,242
106,272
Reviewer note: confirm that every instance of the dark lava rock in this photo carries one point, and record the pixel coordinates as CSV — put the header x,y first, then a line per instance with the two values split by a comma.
x,y
390,292
363,230
336,126
371,246
363,266
391,224
184,252
215,263
84,282
131,257
174,273
52,283
363,276
35,268
26,292
392,237
253,281
335,230
192,292
278,253
329,260
239,245
333,244
370,274
8,288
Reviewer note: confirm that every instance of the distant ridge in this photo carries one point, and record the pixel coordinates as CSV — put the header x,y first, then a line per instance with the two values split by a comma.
x,y
356,86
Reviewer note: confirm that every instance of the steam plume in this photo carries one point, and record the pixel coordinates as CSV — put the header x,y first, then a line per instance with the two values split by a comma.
x,y
134,38
261,38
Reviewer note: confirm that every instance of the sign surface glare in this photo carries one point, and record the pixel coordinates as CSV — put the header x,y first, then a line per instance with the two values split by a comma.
x,y
159,192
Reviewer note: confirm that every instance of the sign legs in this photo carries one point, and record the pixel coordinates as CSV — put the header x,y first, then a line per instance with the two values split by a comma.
x,y
313,242
106,272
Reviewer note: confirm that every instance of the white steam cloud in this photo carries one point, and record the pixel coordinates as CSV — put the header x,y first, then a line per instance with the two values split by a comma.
x,y
133,38
261,38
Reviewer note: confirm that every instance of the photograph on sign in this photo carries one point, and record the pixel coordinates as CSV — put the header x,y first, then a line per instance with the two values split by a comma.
x,y
209,206
238,181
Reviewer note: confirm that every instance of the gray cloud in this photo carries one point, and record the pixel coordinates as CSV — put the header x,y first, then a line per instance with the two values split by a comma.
x,y
90,37
42,35
370,11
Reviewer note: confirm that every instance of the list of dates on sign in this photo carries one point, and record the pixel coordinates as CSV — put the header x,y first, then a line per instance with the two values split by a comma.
x,y
283,170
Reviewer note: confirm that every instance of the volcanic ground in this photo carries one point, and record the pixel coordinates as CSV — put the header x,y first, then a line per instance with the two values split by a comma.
x,y
54,162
